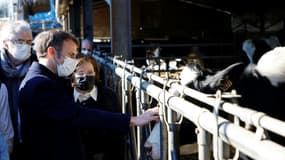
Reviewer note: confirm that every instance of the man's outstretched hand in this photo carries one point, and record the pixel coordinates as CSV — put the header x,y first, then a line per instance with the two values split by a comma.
x,y
148,116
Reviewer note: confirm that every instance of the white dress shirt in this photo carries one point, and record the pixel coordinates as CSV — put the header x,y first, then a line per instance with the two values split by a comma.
x,y
83,97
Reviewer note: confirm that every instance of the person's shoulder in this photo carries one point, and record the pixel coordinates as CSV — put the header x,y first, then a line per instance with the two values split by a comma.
x,y
34,79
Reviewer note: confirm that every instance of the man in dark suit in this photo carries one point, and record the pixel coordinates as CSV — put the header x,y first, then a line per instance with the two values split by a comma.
x,y
51,120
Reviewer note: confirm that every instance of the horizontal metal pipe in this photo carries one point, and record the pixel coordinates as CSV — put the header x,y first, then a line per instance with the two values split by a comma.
x,y
239,137
247,115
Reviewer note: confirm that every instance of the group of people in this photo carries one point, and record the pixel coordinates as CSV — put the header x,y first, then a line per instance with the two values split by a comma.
x,y
52,106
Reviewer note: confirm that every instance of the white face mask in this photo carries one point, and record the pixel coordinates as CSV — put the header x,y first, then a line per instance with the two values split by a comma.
x,y
20,52
68,66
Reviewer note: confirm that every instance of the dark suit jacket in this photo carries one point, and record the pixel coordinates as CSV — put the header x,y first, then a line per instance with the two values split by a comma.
x,y
106,141
51,119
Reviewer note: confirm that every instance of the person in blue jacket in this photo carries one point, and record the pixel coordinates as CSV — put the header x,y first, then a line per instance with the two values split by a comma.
x,y
6,128
51,120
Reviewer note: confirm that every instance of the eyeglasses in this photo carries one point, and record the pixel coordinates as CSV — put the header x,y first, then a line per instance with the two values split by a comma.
x,y
22,41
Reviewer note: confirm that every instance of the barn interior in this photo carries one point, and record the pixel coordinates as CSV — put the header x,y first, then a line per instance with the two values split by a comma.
x,y
215,29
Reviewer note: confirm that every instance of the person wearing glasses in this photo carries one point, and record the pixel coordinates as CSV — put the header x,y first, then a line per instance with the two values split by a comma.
x,y
15,59
51,119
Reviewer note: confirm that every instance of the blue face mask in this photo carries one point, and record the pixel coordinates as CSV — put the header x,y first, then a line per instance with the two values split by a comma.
x,y
84,83
21,51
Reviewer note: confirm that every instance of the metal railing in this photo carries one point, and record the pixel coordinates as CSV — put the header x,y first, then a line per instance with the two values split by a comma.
x,y
225,132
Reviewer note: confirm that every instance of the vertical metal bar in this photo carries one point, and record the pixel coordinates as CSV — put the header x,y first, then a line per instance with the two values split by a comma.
x,y
164,135
224,150
139,131
236,122
203,140
133,138
146,129
124,91
88,19
75,18
216,140
120,16
172,133
127,106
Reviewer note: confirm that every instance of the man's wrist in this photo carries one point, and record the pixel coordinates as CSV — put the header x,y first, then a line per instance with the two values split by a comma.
x,y
132,121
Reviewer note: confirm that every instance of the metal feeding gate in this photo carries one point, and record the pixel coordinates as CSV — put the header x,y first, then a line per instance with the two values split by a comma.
x,y
218,137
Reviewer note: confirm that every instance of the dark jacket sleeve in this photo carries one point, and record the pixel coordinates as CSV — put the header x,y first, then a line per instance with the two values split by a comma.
x,y
108,100
47,101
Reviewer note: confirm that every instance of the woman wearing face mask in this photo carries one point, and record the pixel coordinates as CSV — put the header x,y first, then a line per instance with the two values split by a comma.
x,y
88,91
15,59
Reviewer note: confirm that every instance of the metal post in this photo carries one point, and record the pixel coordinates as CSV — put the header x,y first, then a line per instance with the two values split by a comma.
x,y
120,20
75,18
88,19
146,129
139,131
125,102
173,154
224,150
163,137
133,138
203,140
